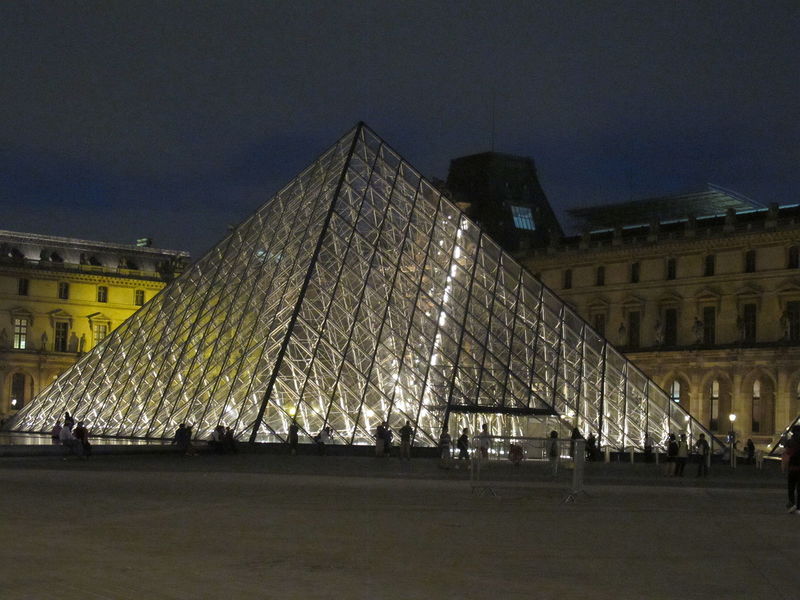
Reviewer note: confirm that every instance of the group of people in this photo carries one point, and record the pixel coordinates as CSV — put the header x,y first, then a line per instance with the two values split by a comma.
x,y
678,452
74,437
445,444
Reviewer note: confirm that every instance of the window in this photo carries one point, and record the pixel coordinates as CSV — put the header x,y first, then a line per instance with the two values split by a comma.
x,y
756,425
138,297
600,324
671,326
671,268
710,263
633,329
20,333
600,278
794,257
22,287
99,332
17,391
714,424
567,283
62,334
709,325
63,290
523,218
675,391
750,261
749,323
792,327
102,293
635,273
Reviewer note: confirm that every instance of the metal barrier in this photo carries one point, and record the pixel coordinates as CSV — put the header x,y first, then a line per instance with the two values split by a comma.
x,y
486,452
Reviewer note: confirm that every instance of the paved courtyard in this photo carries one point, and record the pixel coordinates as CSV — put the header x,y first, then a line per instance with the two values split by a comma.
x,y
268,526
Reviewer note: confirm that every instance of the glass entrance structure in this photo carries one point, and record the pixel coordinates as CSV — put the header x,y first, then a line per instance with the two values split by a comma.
x,y
357,294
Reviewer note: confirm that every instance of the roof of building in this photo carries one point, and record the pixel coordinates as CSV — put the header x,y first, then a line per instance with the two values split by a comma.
x,y
52,241
710,202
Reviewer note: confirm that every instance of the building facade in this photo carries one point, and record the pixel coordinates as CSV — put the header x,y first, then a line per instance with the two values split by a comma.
x,y
707,307
60,297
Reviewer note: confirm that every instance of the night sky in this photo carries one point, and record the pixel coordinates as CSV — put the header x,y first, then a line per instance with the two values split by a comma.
x,y
174,119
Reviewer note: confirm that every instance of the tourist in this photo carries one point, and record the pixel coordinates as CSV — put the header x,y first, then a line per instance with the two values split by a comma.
x,y
66,439
591,447
81,445
380,440
293,437
702,448
406,431
648,447
553,452
484,442
575,435
682,456
672,455
444,449
55,432
323,439
180,438
217,439
790,462
750,450
229,441
387,439
69,422
463,445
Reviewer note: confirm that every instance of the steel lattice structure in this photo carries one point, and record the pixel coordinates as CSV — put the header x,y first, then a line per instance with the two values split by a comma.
x,y
357,294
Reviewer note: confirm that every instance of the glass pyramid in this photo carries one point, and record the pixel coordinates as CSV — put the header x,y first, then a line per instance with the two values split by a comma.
x,y
357,294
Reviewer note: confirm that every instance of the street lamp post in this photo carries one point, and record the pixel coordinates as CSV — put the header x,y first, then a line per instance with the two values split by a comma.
x,y
732,440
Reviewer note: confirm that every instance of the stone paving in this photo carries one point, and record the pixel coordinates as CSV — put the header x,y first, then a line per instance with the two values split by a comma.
x,y
307,527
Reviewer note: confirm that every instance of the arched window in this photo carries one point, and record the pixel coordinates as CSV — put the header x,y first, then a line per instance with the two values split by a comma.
x,y
675,391
17,391
756,427
714,424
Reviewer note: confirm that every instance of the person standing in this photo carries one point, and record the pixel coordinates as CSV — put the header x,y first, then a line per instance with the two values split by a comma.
x,y
553,452
672,455
682,456
576,435
790,462
405,441
444,449
463,445
750,449
55,432
702,454
380,439
484,442
293,437
648,447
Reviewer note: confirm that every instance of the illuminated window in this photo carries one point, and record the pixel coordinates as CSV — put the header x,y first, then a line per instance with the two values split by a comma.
x,y
138,297
714,424
102,293
750,261
601,276
523,218
62,333
17,399
22,287
709,265
675,391
20,334
756,406
63,290
99,332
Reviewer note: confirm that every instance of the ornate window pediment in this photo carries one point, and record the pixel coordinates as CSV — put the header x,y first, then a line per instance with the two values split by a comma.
x,y
59,315
21,313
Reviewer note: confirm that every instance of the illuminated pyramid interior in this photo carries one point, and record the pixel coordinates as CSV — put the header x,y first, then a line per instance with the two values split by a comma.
x,y
357,294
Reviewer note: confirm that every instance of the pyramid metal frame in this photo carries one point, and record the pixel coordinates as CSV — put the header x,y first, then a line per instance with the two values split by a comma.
x,y
357,294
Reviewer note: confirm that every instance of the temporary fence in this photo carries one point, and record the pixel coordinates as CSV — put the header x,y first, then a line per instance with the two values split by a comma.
x,y
487,452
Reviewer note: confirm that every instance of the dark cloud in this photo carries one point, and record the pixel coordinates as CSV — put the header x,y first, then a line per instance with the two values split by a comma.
x,y
175,118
